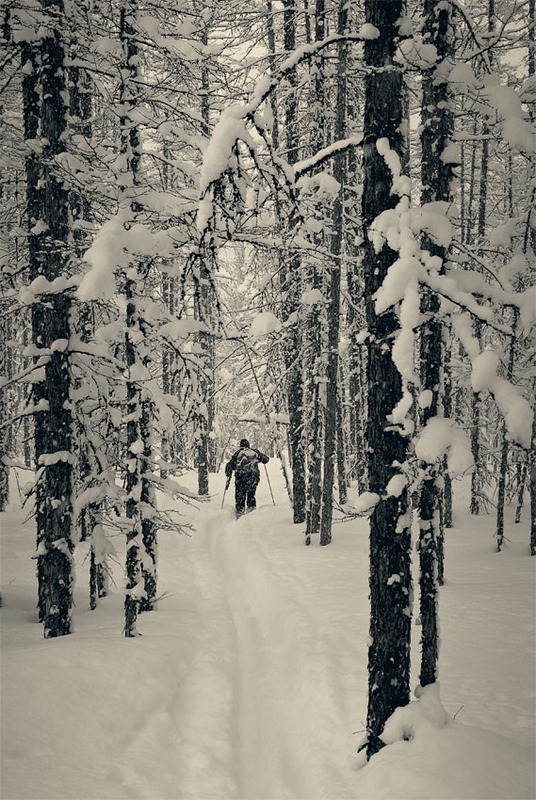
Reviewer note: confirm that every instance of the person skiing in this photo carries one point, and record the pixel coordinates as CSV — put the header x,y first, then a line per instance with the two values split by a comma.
x,y
245,464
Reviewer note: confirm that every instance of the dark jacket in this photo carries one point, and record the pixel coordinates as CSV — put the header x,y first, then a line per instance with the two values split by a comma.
x,y
245,463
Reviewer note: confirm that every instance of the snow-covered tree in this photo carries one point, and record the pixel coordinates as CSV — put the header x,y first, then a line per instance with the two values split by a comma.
x,y
390,578
437,177
45,125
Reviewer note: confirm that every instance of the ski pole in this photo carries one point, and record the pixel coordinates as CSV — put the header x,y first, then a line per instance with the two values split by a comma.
x,y
269,484
227,482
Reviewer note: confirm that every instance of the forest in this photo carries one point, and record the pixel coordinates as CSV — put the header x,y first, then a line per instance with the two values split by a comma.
x,y
311,223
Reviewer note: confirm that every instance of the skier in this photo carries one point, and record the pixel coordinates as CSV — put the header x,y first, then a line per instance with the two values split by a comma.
x,y
245,463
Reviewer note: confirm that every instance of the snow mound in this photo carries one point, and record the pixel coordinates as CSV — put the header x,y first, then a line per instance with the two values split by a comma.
x,y
430,755
422,714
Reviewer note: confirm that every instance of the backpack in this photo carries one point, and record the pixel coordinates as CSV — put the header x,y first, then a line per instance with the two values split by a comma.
x,y
246,462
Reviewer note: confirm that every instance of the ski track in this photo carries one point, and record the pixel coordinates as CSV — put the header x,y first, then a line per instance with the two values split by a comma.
x,y
281,736
261,705
190,733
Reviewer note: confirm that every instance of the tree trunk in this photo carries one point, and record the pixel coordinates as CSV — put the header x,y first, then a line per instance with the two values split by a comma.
x,y
316,325
531,466
93,581
477,478
503,465
521,474
436,176
341,446
134,556
476,420
45,118
356,381
447,412
4,430
334,297
291,284
390,544
532,481
270,36
203,309
81,113
148,503
141,534
314,460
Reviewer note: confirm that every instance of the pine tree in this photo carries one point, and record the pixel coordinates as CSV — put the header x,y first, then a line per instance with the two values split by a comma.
x,y
45,126
291,286
334,293
204,311
390,581
316,323
141,535
437,175
4,469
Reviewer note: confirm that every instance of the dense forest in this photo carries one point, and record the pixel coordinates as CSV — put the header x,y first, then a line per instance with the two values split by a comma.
x,y
308,221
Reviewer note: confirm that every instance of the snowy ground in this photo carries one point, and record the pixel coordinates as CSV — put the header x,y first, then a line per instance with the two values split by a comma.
x,y
250,680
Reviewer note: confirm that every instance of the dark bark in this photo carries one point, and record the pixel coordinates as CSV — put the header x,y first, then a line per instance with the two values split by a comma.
x,y
355,318
440,546
531,466
334,295
291,285
167,366
314,457
133,476
45,116
356,391
476,475
4,430
203,307
93,583
141,535
477,478
81,113
436,133
429,509
532,481
521,472
270,36
503,465
390,544
341,447
447,412
316,321
148,505
202,417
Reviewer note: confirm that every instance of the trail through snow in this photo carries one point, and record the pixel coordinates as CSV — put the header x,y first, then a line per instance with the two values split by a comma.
x,y
250,681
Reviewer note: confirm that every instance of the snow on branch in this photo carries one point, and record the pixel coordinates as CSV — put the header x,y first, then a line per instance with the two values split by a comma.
x,y
232,127
217,157
503,106
302,167
513,406
267,84
441,436
473,283
401,228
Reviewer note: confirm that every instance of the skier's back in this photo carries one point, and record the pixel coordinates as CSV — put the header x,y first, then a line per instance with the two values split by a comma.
x,y
245,464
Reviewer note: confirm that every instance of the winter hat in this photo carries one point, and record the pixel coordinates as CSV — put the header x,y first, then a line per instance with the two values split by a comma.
x,y
244,443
